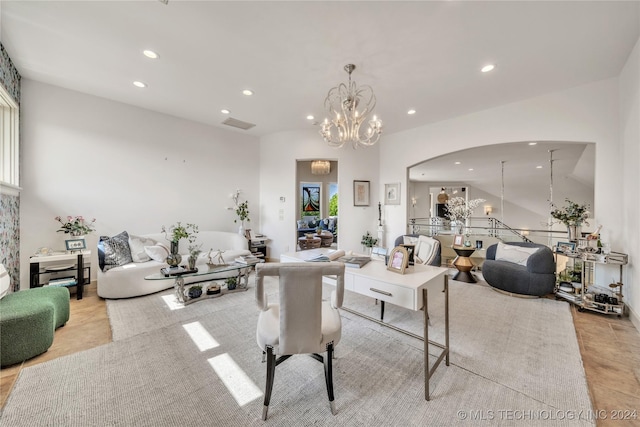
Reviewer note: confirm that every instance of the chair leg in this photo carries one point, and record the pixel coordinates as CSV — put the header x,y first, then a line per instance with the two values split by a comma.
x,y
271,370
328,376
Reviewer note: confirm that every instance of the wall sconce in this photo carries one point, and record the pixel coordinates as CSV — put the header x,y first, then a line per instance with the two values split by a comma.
x,y
488,210
414,201
320,167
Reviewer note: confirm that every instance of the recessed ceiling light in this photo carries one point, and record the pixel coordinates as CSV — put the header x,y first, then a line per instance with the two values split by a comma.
x,y
456,163
411,112
150,54
487,68
533,143
538,167
247,92
225,111
310,117
470,169
139,84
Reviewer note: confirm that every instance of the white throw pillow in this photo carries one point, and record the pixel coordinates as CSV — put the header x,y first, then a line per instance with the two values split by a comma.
x,y
514,254
158,252
409,240
137,244
427,250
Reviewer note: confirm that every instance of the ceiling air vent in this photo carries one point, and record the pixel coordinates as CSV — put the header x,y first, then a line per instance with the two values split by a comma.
x,y
238,123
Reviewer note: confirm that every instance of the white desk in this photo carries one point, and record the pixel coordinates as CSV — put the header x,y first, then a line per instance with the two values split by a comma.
x,y
409,290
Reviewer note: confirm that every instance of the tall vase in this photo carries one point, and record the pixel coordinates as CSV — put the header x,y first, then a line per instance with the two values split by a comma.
x,y
241,229
575,232
174,259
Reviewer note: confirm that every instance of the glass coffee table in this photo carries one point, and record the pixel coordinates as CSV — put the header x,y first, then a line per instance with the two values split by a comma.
x,y
207,273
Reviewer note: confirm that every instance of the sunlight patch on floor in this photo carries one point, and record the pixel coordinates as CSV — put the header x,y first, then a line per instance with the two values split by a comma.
x,y
171,302
235,379
200,336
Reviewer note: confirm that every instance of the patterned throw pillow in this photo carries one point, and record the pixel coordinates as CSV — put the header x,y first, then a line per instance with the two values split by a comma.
x,y
114,251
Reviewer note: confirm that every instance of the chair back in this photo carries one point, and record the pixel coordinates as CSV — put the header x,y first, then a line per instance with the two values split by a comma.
x,y
300,298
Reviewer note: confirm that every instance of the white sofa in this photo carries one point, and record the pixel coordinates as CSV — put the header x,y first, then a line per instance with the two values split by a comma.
x,y
127,280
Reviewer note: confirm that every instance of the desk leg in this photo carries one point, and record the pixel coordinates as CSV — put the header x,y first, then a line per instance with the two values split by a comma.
x,y
445,350
446,317
425,312
80,278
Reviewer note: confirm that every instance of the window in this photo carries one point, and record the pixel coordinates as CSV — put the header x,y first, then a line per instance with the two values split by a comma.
x,y
9,144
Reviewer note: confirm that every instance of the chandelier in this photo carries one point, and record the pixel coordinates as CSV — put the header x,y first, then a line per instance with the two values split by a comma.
x,y
348,107
320,167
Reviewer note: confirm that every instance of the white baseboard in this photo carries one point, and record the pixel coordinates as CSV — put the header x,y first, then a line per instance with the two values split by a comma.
x,y
634,317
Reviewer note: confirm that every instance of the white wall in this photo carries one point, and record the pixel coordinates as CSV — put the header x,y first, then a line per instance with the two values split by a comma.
x,y
278,155
630,159
132,169
587,113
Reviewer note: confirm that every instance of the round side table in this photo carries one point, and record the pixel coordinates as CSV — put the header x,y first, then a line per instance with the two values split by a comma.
x,y
463,264
309,243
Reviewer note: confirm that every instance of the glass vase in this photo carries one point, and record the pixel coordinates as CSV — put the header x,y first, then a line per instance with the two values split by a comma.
x,y
174,259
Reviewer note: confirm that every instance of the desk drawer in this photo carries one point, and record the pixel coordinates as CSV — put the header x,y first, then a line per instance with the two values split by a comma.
x,y
394,294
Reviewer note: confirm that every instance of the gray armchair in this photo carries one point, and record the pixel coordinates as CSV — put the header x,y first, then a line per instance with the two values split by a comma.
x,y
537,278
300,322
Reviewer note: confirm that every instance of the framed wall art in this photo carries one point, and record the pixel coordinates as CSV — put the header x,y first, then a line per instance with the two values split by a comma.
x,y
310,198
392,194
361,193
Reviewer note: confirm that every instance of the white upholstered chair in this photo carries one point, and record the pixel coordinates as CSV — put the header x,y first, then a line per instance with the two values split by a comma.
x,y
300,322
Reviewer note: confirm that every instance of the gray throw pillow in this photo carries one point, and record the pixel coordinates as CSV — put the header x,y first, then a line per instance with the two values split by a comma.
x,y
114,251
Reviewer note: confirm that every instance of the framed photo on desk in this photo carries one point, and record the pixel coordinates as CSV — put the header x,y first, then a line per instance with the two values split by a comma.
x,y
75,244
398,260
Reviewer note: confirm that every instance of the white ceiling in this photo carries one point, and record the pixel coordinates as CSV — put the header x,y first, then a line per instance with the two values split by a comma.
x,y
525,175
421,55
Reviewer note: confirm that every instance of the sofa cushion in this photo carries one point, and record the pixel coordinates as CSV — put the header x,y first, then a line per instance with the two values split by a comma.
x,y
515,254
158,252
114,251
137,244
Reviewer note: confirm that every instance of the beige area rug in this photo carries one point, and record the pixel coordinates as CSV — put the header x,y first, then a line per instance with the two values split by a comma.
x,y
514,362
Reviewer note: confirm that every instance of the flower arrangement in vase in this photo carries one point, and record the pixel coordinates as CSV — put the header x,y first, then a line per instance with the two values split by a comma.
x,y
75,225
242,210
458,210
368,242
572,216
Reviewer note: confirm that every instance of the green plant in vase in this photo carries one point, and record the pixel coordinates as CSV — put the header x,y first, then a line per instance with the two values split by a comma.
x,y
195,291
231,283
174,234
194,251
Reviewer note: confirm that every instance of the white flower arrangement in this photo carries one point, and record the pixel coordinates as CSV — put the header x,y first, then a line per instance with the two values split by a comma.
x,y
458,209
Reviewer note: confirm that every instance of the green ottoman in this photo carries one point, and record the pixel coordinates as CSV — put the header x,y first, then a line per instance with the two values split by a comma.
x,y
27,321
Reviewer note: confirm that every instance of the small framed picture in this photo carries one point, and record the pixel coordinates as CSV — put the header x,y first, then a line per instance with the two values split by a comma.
x,y
398,260
565,247
75,244
458,240
379,252
361,193
392,194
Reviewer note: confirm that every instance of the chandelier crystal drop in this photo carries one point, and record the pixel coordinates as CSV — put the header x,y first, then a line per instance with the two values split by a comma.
x,y
348,107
